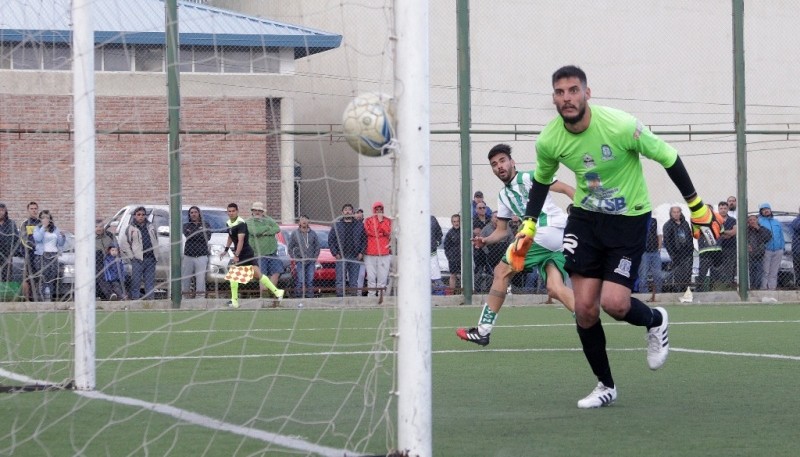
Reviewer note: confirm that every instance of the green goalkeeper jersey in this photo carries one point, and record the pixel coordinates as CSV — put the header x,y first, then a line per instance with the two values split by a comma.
x,y
605,158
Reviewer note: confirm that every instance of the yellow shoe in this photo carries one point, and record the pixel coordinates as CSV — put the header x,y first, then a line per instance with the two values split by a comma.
x,y
278,294
233,304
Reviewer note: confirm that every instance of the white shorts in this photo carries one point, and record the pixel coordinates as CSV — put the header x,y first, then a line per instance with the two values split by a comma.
x,y
551,238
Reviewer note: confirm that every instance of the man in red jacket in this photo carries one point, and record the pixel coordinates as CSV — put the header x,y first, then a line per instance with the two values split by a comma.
x,y
378,256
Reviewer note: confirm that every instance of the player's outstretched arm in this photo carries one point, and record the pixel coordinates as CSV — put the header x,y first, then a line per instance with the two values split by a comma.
x,y
705,222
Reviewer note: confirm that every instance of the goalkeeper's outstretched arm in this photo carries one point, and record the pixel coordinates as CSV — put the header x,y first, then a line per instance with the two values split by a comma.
x,y
704,221
678,174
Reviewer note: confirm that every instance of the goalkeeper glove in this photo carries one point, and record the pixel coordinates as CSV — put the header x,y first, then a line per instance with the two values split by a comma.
x,y
519,247
705,222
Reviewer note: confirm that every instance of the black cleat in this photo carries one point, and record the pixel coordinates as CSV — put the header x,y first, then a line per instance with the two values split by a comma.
x,y
472,335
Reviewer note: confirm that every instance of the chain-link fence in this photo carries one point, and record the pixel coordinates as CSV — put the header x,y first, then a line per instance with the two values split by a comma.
x,y
261,121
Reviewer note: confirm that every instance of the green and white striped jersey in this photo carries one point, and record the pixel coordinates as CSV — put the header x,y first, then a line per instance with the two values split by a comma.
x,y
512,200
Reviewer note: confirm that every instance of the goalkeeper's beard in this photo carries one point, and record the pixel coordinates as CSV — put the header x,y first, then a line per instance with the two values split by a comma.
x,y
573,119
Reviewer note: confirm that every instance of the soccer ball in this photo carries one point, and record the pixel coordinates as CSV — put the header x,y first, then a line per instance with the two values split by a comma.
x,y
368,123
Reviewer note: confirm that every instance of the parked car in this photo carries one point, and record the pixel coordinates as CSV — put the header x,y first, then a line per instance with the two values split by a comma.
x,y
325,272
158,215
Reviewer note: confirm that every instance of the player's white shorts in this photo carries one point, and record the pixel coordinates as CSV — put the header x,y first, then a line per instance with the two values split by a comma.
x,y
551,238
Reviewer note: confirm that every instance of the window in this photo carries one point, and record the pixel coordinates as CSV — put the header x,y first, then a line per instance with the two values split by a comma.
x,y
116,58
57,56
186,58
266,60
236,60
149,58
142,58
5,56
206,59
26,56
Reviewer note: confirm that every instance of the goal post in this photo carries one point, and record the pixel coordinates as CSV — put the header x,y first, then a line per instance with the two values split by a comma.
x,y
84,141
414,358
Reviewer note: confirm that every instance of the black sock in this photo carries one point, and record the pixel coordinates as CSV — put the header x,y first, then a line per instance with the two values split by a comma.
x,y
593,340
642,315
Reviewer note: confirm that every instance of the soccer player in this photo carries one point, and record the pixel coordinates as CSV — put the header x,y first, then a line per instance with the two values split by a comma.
x,y
603,238
243,257
546,254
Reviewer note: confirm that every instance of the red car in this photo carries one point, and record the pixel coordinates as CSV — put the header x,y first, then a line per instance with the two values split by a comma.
x,y
325,274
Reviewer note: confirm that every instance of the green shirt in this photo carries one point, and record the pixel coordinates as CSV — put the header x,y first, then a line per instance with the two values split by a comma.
x,y
605,158
262,232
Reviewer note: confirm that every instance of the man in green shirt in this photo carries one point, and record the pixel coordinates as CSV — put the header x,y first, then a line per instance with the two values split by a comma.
x,y
262,230
603,239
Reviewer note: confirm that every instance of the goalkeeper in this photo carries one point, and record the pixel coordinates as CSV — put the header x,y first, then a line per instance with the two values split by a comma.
x,y
605,232
546,253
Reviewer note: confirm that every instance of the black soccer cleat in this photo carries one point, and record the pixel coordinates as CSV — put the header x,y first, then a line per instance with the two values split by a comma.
x,y
473,336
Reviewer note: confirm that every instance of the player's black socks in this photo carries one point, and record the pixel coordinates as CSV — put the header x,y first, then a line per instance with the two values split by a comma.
x,y
642,315
593,340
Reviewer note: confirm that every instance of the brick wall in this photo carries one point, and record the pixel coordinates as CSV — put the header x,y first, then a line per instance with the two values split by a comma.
x,y
134,168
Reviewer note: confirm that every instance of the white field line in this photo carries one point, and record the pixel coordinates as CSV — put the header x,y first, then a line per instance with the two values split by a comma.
x,y
289,442
319,329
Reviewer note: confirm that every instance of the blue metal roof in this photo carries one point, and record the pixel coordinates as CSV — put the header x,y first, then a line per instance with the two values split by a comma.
x,y
142,22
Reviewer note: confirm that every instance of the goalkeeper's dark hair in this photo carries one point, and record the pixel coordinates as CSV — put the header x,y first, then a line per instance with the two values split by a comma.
x,y
570,71
501,148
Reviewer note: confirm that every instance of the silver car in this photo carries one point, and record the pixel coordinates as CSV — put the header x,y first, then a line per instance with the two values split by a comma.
x,y
158,215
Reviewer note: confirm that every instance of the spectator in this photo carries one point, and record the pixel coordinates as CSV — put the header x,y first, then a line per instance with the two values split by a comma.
x,y
727,241
477,199
113,277
680,247
245,265
49,241
30,289
651,260
774,249
795,226
732,207
480,219
9,240
437,286
494,252
480,263
262,230
139,244
347,242
195,254
757,238
304,248
378,254
362,269
452,250
103,239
